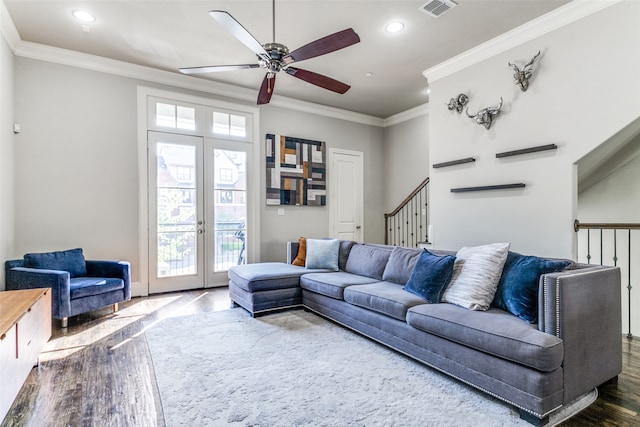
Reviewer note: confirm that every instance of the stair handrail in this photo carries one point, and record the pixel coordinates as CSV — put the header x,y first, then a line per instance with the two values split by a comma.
x,y
400,206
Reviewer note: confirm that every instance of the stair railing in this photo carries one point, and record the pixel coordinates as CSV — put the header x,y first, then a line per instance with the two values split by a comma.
x,y
616,245
406,225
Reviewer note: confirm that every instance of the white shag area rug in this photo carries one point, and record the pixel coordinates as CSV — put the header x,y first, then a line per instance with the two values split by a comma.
x,y
295,368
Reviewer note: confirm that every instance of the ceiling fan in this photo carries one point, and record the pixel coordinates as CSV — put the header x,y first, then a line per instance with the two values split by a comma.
x,y
275,57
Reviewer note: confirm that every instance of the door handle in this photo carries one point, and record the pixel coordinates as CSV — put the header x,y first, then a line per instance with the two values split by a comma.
x,y
357,227
200,231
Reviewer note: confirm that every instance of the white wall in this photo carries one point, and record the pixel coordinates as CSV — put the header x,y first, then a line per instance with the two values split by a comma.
x,y
76,162
584,90
76,165
6,156
312,221
406,159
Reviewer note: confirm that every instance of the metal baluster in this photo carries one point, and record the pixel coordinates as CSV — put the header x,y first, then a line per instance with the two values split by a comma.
x,y
601,254
629,336
588,246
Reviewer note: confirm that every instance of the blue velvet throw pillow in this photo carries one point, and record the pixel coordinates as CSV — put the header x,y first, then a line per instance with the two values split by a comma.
x,y
323,254
71,260
518,288
430,276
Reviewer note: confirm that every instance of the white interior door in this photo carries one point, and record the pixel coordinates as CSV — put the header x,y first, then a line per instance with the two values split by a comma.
x,y
346,186
176,212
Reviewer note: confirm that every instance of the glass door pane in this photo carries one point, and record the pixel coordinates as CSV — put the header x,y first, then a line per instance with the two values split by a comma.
x,y
177,229
229,208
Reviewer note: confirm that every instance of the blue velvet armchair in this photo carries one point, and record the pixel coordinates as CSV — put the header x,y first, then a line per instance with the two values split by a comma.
x,y
77,285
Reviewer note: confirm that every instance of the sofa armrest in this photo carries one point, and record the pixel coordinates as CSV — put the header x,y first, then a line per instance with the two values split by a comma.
x,y
292,251
112,269
583,307
30,278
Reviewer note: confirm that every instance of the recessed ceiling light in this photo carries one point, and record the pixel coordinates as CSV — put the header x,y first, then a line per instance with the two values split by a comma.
x,y
394,27
368,74
84,16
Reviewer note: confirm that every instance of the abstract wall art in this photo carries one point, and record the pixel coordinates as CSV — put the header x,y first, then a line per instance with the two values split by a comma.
x,y
296,171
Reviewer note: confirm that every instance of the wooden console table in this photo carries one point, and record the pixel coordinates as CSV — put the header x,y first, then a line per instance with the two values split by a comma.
x,y
25,327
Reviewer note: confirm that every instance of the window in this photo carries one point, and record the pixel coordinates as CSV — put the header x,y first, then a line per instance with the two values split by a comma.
x,y
183,173
226,197
175,116
226,175
229,124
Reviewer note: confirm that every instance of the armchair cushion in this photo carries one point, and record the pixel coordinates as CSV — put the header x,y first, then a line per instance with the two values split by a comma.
x,y
90,286
71,260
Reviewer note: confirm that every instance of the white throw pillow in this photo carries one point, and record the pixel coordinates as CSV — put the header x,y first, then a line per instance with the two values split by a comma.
x,y
323,254
476,274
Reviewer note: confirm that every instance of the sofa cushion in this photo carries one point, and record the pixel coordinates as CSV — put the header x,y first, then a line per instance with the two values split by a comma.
x,y
400,265
493,331
301,256
518,288
71,260
476,273
431,276
90,286
332,284
383,297
343,255
267,276
322,253
368,260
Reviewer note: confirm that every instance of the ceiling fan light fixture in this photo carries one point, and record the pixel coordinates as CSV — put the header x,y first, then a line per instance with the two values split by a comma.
x,y
83,16
394,27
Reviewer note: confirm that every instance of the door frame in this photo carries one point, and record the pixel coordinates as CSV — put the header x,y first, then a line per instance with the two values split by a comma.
x,y
141,287
333,184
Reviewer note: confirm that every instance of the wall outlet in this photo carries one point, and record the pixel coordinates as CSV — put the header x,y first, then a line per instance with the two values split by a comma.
x,y
280,211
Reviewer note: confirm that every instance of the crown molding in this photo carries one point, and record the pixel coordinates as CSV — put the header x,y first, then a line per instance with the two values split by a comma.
x,y
125,69
564,15
8,28
412,113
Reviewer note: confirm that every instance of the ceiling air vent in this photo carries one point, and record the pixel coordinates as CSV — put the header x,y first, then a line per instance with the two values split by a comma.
x,y
436,8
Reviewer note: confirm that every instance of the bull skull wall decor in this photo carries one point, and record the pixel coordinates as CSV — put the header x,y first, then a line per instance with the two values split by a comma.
x,y
458,103
521,76
485,116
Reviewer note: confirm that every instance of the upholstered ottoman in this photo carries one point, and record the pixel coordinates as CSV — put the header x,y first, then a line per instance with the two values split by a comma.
x,y
266,286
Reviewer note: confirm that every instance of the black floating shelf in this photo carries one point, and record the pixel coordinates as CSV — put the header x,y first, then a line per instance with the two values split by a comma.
x,y
487,187
527,150
454,162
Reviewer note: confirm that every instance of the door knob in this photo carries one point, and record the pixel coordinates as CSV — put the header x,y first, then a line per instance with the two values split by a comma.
x,y
357,227
200,231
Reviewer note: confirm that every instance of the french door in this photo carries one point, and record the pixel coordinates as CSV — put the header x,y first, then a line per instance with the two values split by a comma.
x,y
176,212
197,210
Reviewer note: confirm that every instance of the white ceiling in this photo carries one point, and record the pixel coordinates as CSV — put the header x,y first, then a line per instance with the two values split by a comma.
x,y
168,34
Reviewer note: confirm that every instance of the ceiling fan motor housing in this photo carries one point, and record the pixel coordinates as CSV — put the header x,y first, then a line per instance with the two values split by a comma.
x,y
276,51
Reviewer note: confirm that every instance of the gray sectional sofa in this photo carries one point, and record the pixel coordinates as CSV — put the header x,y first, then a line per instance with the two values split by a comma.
x,y
537,367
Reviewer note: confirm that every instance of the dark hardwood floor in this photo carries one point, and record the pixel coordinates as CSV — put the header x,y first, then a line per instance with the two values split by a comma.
x,y
98,372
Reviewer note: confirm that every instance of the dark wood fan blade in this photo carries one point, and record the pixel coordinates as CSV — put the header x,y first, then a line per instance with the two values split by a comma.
x,y
266,90
318,80
327,44
217,68
238,31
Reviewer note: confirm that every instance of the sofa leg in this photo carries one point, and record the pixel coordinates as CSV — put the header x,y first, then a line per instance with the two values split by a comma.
x,y
532,419
64,322
115,307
